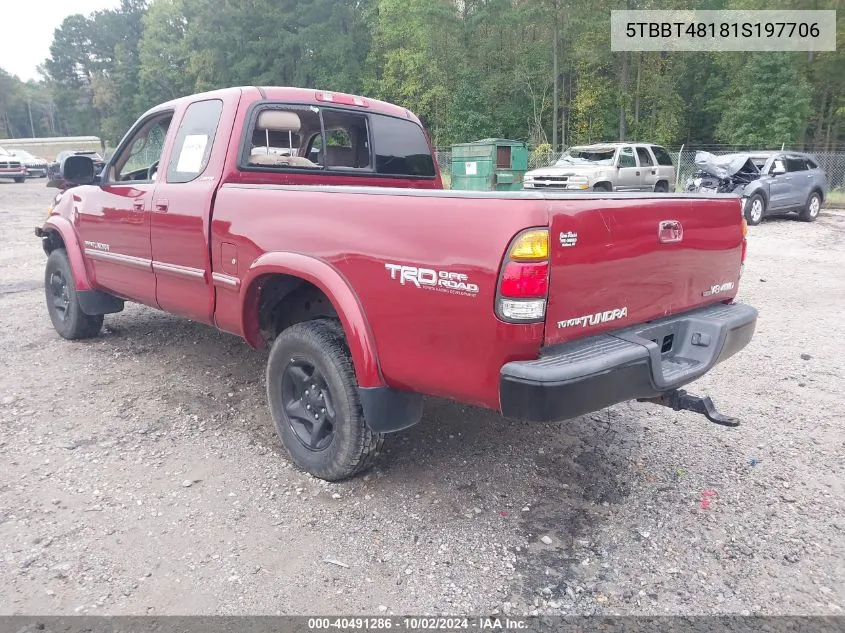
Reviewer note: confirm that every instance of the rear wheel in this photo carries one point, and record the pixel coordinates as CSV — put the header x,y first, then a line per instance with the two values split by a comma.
x,y
314,401
661,187
63,303
19,179
755,207
812,208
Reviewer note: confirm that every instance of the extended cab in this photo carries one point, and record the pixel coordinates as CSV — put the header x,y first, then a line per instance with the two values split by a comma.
x,y
315,223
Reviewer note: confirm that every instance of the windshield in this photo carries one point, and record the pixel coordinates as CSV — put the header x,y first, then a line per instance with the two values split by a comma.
x,y
587,155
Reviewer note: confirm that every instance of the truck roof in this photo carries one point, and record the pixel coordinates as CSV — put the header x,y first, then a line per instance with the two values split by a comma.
x,y
298,95
614,144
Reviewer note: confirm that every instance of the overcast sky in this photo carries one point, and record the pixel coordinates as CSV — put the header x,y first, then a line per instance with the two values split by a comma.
x,y
26,30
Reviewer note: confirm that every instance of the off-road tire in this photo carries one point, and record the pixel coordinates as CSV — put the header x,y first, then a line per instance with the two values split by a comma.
x,y
812,208
751,215
353,446
69,320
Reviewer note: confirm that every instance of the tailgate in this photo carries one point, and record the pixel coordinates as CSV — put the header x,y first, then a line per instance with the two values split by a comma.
x,y
619,261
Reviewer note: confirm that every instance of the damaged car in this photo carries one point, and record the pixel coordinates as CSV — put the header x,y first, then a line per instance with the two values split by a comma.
x,y
769,183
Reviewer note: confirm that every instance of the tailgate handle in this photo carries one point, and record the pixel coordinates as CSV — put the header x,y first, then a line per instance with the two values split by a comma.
x,y
670,231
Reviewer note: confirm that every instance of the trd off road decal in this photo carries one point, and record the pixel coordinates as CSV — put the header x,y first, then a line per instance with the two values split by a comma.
x,y
595,319
429,279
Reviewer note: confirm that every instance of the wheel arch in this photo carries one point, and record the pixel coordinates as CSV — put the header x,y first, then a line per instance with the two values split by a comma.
x,y
58,232
763,193
334,286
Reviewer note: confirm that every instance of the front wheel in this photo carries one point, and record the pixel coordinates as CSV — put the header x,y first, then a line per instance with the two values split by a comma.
x,y
19,179
812,208
314,401
755,207
63,303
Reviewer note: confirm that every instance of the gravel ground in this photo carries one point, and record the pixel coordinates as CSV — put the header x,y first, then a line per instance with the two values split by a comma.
x,y
141,474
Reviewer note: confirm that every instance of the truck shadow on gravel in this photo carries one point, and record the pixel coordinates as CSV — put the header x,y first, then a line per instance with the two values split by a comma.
x,y
547,485
556,482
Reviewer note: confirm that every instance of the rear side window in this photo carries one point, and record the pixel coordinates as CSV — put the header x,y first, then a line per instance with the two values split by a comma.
x,y
192,147
661,155
795,163
811,164
645,159
401,148
626,157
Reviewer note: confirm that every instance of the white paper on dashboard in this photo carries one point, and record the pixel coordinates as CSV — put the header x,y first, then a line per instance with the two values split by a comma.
x,y
193,150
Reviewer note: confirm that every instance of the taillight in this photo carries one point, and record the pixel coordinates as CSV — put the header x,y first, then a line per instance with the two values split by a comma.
x,y
744,245
524,278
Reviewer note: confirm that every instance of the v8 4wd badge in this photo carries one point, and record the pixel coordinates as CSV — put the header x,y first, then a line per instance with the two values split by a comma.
x,y
718,289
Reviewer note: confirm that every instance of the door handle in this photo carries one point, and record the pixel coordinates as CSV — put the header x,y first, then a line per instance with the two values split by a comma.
x,y
638,173
138,205
653,171
161,206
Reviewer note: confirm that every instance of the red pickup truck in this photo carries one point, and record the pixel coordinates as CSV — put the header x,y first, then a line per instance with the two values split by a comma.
x,y
315,223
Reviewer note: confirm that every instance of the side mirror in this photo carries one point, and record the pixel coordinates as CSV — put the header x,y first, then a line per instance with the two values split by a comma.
x,y
74,171
778,169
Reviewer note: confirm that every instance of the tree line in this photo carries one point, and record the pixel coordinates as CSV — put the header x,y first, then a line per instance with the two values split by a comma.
x,y
537,70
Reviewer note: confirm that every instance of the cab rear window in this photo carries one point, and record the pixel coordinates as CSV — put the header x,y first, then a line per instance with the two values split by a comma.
x,y
286,137
401,148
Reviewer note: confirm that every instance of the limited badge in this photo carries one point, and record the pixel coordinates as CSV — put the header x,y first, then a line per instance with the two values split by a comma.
x,y
568,239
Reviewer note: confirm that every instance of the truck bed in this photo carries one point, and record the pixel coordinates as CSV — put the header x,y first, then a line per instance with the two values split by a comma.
x,y
616,265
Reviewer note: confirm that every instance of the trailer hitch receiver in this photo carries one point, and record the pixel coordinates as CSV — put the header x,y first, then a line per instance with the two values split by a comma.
x,y
680,400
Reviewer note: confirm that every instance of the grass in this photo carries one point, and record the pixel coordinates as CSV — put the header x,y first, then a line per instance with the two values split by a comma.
x,y
446,177
836,197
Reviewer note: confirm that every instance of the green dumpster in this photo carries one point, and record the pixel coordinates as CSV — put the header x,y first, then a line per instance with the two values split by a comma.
x,y
491,164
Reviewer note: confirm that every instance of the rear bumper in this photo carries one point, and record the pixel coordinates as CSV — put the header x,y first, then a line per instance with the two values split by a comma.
x,y
638,362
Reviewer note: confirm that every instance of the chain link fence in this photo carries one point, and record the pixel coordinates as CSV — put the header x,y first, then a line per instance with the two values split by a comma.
x,y
833,163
